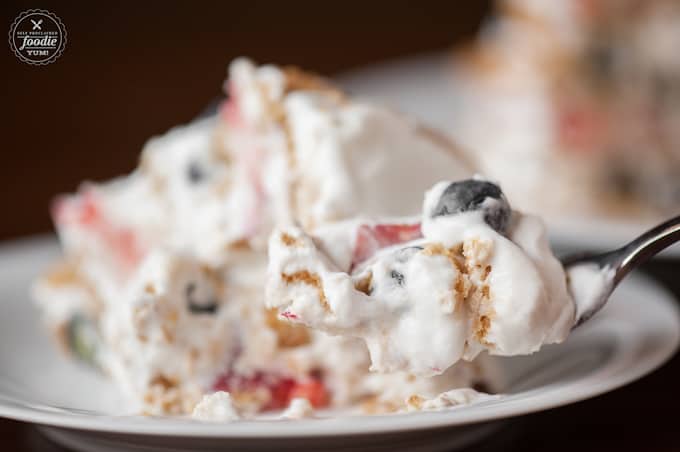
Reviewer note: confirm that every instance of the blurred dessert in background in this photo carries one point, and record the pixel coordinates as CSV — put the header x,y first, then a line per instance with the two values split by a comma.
x,y
162,279
574,105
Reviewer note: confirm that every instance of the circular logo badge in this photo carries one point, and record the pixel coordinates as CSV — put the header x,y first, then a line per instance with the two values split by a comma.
x,y
37,37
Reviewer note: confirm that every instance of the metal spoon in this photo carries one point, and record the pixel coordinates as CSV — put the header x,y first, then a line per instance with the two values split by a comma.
x,y
592,278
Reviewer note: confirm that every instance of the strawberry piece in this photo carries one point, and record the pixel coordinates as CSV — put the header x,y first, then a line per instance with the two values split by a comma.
x,y
89,213
84,211
124,242
229,110
371,238
313,390
390,234
252,162
281,389
290,315
280,392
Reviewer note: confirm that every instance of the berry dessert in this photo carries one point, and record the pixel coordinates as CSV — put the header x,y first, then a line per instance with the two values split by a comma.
x,y
469,275
584,101
162,280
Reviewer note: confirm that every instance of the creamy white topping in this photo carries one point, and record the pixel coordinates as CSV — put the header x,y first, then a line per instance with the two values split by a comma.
x,y
324,158
448,399
299,408
424,304
169,261
339,179
587,284
216,407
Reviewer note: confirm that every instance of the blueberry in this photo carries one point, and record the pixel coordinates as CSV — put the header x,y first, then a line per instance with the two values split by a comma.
x,y
397,276
195,173
469,195
198,307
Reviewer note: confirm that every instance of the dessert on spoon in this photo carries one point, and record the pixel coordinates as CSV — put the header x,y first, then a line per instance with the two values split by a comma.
x,y
470,274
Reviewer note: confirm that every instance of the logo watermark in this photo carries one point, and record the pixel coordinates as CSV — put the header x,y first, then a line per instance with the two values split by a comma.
x,y
37,37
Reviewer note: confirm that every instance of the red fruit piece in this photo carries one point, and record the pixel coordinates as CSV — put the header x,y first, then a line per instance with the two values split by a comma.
x,y
89,210
125,244
281,389
313,390
229,110
290,315
371,238
280,392
252,163
84,211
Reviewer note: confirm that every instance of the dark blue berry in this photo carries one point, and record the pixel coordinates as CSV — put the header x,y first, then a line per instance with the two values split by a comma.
x,y
398,277
198,307
195,173
469,195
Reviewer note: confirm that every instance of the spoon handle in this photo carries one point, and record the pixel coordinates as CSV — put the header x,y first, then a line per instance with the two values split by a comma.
x,y
647,245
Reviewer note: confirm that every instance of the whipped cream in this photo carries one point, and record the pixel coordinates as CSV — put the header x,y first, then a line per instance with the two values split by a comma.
x,y
164,269
321,157
422,304
338,178
216,407
587,284
448,399
299,408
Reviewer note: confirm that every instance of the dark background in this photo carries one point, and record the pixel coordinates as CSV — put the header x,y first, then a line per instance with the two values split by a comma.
x,y
132,70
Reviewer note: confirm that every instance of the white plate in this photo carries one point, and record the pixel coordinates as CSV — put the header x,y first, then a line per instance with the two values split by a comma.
x,y
424,86
636,333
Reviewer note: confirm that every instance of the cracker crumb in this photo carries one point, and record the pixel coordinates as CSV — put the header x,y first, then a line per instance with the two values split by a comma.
x,y
311,279
415,402
374,405
487,271
461,286
453,254
289,240
476,252
164,396
239,245
364,284
64,273
288,335
482,327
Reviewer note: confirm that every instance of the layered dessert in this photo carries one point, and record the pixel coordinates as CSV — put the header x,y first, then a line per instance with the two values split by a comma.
x,y
584,101
468,275
161,285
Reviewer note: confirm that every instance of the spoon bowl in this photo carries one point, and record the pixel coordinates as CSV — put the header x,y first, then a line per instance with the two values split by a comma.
x,y
592,278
